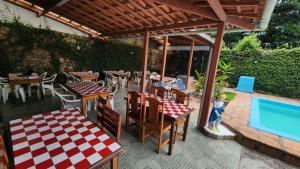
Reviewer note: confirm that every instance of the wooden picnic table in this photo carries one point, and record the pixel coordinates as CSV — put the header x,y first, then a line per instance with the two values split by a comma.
x,y
21,79
88,91
61,139
84,76
174,112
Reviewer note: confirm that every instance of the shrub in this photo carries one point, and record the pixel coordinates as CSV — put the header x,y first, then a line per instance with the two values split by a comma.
x,y
276,71
248,43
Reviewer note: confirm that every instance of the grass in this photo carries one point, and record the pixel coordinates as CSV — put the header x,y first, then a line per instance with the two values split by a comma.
x,y
229,96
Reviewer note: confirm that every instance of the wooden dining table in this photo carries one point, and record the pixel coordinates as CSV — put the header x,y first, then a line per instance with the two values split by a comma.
x,y
89,91
174,112
84,76
61,139
21,79
117,73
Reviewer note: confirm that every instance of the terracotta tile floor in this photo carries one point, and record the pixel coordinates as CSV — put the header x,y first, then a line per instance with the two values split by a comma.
x,y
236,117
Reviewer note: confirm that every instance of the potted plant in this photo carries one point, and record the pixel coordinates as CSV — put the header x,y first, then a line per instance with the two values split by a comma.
x,y
199,82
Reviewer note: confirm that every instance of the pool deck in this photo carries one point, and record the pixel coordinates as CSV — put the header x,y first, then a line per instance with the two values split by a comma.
x,y
236,117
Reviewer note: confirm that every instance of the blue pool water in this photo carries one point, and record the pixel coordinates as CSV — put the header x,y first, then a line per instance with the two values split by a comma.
x,y
275,117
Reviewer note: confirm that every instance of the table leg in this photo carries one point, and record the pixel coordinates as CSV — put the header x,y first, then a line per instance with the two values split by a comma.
x,y
41,90
83,106
185,127
171,138
114,163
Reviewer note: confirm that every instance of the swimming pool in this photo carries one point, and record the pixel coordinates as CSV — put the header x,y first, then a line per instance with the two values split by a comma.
x,y
275,117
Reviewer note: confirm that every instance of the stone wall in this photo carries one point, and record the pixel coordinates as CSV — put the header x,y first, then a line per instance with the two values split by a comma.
x,y
16,56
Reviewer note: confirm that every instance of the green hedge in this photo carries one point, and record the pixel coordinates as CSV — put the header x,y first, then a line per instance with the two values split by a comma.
x,y
88,53
276,71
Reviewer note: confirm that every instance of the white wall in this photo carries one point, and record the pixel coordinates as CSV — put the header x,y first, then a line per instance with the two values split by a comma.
x,y
179,48
9,10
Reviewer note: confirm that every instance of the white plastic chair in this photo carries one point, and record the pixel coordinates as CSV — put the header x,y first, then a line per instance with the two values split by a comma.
x,y
75,79
5,90
124,81
43,76
48,84
69,78
68,100
96,74
113,90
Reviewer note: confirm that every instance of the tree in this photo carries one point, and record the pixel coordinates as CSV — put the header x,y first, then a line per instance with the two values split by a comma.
x,y
284,27
248,43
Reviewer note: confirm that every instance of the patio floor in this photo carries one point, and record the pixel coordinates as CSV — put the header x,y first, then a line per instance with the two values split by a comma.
x,y
198,151
237,117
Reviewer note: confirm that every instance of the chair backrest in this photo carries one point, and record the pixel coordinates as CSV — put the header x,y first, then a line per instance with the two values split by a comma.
x,y
75,79
109,120
133,101
180,84
91,72
113,89
43,75
66,91
4,162
181,97
161,91
155,112
121,71
96,74
53,77
127,74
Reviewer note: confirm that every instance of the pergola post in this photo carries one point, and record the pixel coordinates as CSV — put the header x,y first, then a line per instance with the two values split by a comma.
x,y
188,72
145,59
211,76
164,58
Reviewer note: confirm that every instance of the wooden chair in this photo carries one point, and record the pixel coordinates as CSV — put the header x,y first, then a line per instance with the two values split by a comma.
x,y
4,162
154,123
109,120
160,91
133,108
183,98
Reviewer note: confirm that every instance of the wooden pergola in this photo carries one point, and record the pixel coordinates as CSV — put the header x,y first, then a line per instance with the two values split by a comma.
x,y
152,18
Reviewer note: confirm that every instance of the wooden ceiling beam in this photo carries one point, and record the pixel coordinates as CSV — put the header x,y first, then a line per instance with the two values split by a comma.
x,y
165,27
58,4
218,9
58,18
207,13
189,7
239,22
230,3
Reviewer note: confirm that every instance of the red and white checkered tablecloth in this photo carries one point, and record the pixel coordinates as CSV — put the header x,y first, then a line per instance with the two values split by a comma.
x,y
59,139
115,73
87,88
81,74
171,108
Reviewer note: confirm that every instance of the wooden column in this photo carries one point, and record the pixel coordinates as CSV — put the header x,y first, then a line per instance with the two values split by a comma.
x,y
211,76
164,58
188,72
145,59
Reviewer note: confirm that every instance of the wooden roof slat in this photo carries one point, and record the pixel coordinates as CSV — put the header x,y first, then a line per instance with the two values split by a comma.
x,y
105,14
134,2
161,11
131,11
231,3
36,9
121,13
165,27
189,7
91,18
